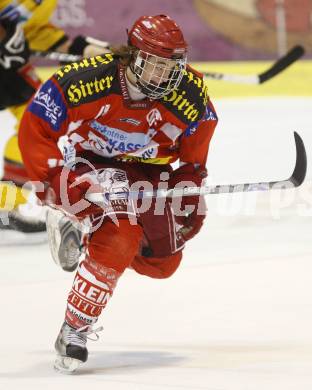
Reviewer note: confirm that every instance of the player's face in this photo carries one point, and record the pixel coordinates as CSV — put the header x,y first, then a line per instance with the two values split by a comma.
x,y
157,76
157,70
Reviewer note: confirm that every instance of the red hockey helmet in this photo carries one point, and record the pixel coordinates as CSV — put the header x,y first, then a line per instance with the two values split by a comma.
x,y
159,35
160,60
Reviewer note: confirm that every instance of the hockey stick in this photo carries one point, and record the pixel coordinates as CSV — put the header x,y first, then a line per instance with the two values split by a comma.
x,y
66,57
281,64
57,56
295,180
61,57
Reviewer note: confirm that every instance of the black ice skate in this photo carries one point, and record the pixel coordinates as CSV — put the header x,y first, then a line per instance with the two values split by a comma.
x,y
71,347
64,240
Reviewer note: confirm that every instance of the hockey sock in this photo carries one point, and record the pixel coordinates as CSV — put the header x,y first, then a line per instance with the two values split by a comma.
x,y
92,288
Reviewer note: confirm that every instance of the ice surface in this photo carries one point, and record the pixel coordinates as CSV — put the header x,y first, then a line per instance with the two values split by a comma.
x,y
237,315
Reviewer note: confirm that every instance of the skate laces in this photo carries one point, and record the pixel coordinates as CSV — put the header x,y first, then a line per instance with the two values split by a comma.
x,y
80,336
87,330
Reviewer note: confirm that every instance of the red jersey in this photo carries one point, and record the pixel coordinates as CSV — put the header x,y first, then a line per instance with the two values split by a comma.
x,y
86,107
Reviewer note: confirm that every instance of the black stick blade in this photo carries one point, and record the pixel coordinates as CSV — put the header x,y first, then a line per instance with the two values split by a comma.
x,y
299,173
284,62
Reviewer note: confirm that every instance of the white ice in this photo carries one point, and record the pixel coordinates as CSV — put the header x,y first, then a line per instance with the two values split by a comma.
x,y
237,315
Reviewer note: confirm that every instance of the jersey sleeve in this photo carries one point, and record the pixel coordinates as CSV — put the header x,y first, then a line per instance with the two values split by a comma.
x,y
45,120
59,106
194,144
40,33
37,149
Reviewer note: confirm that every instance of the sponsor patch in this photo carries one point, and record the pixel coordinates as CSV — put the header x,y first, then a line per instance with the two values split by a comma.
x,y
118,141
153,117
87,91
189,100
181,103
210,115
191,129
48,105
86,63
158,161
115,188
132,121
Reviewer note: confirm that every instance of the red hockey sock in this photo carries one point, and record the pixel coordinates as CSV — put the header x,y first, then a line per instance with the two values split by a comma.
x,y
92,288
111,249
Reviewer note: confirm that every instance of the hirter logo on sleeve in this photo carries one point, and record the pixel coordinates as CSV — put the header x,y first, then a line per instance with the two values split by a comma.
x,y
48,104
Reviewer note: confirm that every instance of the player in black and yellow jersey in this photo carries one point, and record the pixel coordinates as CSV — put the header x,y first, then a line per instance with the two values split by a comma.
x,y
25,26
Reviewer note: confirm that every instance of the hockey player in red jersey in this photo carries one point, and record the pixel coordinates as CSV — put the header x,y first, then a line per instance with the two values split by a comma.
x,y
117,122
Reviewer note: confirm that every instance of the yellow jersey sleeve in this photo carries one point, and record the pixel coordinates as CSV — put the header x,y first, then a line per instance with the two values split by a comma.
x,y
34,15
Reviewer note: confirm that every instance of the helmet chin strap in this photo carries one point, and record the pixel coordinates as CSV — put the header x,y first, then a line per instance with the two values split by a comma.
x,y
131,76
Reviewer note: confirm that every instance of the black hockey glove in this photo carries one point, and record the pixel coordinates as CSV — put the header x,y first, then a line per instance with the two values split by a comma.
x,y
88,46
14,50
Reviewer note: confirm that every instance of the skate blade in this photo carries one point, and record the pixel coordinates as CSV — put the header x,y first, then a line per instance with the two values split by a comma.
x,y
66,365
